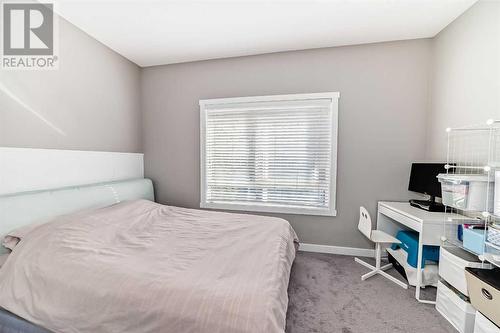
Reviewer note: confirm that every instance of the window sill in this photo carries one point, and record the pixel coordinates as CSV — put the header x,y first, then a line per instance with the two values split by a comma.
x,y
271,209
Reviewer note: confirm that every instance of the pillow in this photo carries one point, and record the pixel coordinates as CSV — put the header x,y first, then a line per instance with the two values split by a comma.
x,y
10,242
15,236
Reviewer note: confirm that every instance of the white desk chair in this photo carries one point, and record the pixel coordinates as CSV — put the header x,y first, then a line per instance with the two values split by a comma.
x,y
378,237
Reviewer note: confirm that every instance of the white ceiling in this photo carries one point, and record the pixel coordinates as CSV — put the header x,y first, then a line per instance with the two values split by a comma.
x,y
172,31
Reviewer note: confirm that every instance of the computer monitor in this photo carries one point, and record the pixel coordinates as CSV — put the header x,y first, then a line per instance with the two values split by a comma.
x,y
423,180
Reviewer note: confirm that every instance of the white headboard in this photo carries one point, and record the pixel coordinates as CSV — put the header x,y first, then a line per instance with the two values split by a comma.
x,y
42,206
37,185
26,169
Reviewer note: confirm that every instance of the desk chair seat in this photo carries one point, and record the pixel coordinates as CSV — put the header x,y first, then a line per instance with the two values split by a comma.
x,y
378,237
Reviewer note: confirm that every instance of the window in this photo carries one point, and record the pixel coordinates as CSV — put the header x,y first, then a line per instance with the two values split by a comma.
x,y
270,154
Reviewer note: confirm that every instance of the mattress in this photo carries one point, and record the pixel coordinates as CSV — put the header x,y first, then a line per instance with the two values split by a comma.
x,y
143,267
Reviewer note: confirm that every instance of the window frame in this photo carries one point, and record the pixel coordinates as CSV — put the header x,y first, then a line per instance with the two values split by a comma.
x,y
252,207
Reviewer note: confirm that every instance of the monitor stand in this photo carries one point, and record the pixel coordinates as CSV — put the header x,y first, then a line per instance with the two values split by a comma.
x,y
429,205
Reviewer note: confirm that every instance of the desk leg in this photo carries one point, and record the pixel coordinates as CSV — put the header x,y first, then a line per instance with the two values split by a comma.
x,y
419,273
387,225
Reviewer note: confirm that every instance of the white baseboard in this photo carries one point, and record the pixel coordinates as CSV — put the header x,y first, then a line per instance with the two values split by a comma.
x,y
348,251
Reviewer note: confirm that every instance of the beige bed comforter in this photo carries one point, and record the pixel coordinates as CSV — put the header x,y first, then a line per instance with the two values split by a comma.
x,y
143,267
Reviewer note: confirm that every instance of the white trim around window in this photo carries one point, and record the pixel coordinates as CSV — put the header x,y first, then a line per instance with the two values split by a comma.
x,y
275,154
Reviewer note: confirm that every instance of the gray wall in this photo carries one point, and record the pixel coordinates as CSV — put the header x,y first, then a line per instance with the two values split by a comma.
x,y
465,74
382,115
396,100
92,102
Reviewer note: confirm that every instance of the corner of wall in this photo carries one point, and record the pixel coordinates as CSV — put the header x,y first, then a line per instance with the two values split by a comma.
x,y
464,77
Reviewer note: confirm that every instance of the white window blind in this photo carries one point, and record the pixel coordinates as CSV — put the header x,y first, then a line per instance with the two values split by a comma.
x,y
270,153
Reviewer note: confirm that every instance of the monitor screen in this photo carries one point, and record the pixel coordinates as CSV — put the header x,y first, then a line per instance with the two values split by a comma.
x,y
423,178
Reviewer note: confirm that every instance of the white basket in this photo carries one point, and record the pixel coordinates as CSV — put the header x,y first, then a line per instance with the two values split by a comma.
x,y
494,235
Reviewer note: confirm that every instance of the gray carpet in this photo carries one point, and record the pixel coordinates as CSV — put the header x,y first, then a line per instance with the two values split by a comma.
x,y
327,295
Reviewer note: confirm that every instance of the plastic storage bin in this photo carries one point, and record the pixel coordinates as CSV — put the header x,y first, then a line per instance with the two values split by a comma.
x,y
452,264
458,312
484,325
473,239
467,192
484,290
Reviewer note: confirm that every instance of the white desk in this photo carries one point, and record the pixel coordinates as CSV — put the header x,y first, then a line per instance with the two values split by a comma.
x,y
395,216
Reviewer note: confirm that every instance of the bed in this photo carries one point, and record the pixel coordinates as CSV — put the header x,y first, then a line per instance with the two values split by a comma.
x,y
107,258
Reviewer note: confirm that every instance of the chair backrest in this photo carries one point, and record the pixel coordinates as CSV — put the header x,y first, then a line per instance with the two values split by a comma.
x,y
365,222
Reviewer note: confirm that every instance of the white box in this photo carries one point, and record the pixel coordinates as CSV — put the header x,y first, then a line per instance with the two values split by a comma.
x,y
484,325
458,312
452,263
467,192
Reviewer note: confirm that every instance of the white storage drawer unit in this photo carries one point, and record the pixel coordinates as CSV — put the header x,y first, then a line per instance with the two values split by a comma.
x,y
484,325
467,192
458,312
452,263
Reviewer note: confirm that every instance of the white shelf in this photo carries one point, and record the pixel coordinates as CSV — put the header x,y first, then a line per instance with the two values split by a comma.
x,y
491,258
471,150
496,247
464,220
459,243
